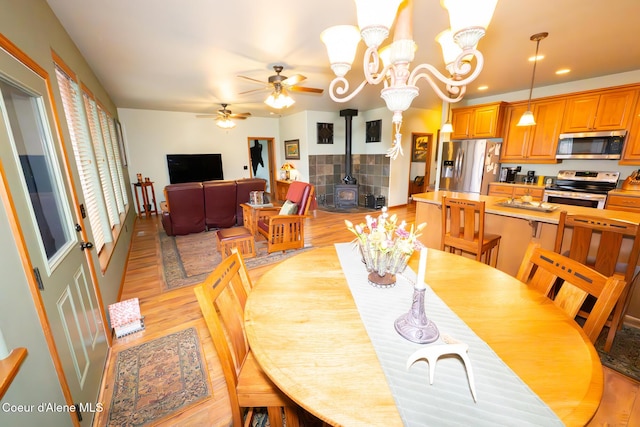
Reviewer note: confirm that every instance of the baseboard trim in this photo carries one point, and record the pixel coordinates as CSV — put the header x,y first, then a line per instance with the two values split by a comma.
x,y
631,321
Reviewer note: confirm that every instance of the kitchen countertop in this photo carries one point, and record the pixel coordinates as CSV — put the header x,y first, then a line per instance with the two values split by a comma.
x,y
627,193
518,184
491,207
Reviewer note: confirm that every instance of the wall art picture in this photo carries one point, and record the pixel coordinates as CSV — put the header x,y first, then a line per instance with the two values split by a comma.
x,y
420,145
292,149
374,131
325,133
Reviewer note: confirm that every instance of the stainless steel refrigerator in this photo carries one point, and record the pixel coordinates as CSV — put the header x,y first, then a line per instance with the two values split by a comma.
x,y
470,165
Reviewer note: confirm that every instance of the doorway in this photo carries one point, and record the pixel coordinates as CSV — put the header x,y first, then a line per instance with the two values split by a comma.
x,y
263,161
420,168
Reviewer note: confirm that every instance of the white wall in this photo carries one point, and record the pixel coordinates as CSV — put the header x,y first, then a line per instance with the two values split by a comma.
x,y
151,135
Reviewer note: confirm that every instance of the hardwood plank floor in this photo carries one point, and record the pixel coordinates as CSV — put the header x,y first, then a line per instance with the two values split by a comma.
x,y
167,312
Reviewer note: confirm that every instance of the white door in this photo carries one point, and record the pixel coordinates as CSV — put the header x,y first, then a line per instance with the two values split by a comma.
x,y
33,160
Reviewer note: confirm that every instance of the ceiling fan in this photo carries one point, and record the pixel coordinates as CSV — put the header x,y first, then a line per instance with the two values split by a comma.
x,y
279,84
224,116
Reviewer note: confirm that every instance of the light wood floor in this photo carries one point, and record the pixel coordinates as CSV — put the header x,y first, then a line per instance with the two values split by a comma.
x,y
167,312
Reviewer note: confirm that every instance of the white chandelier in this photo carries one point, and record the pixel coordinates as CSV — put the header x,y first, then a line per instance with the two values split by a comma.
x,y
390,66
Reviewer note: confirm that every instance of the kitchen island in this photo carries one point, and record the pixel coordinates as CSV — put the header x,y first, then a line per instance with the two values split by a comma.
x,y
517,227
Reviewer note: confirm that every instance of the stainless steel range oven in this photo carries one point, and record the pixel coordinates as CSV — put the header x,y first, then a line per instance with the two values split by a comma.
x,y
581,188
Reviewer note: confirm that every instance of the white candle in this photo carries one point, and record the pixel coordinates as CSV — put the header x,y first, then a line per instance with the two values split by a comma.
x,y
4,352
422,269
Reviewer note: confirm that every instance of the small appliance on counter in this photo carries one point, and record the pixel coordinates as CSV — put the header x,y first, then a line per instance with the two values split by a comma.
x,y
632,182
530,178
509,174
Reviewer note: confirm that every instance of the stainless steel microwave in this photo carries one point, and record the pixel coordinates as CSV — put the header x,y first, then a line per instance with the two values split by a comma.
x,y
591,145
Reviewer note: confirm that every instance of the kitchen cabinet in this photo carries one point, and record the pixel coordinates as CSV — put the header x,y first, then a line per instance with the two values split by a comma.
x,y
533,144
596,111
479,121
516,191
621,200
631,153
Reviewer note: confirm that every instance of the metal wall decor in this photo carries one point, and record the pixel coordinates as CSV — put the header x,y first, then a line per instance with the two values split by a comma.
x,y
325,133
374,129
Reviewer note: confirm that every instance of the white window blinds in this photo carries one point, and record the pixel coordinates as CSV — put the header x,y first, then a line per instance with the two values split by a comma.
x,y
101,159
85,160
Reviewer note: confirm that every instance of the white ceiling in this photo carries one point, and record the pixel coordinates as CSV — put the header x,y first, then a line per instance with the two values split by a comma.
x,y
178,55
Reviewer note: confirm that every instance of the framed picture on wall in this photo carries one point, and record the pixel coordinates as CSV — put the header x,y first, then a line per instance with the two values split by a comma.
x,y
292,149
325,133
420,145
374,131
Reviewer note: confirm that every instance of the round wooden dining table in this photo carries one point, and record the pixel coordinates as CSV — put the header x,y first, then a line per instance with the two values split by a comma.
x,y
306,333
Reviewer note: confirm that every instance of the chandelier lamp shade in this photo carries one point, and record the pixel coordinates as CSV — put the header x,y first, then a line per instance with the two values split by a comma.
x,y
390,65
527,118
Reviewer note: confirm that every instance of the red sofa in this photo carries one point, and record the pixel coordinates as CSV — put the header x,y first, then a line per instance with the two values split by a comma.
x,y
194,207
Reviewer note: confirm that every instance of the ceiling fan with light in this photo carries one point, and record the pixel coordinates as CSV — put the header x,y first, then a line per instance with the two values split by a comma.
x,y
224,116
279,84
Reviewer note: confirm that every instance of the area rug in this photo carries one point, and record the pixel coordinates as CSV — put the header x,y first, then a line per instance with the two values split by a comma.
x,y
188,259
157,378
624,356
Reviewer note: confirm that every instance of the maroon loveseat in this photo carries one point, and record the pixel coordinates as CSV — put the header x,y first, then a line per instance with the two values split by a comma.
x,y
194,207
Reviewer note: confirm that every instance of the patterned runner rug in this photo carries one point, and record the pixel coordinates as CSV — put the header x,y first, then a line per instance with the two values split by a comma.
x,y
157,378
624,356
188,259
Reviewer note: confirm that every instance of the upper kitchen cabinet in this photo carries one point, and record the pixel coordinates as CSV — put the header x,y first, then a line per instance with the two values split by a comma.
x,y
605,110
631,153
533,144
479,121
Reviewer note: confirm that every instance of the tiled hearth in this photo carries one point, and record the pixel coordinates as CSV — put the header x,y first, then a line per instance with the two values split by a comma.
x,y
371,170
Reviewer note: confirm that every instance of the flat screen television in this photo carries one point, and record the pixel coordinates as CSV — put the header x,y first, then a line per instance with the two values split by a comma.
x,y
194,167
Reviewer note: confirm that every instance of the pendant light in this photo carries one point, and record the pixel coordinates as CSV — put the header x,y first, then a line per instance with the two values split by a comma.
x,y
527,118
447,127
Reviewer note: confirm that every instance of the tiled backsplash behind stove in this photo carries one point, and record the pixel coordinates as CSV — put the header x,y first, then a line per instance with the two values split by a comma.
x,y
371,171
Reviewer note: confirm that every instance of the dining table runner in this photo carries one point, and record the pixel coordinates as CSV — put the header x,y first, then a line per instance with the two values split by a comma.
x,y
503,399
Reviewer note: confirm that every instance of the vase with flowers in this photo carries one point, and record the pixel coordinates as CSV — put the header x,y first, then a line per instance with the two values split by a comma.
x,y
385,245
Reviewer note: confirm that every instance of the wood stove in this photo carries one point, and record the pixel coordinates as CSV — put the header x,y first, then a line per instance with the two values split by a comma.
x,y
346,195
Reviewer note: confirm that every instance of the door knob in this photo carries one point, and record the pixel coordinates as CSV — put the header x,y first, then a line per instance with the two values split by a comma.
x,y
85,245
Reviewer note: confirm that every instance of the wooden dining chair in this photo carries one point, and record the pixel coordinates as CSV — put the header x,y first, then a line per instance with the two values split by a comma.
x,y
600,243
542,269
222,298
463,230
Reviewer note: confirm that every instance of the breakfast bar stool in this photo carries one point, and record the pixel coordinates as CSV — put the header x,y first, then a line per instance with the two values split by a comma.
x,y
463,230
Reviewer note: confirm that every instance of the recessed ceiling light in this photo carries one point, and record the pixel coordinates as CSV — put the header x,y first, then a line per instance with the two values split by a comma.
x,y
483,87
536,58
563,71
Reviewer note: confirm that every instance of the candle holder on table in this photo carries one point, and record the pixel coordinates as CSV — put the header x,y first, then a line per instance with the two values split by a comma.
x,y
414,325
